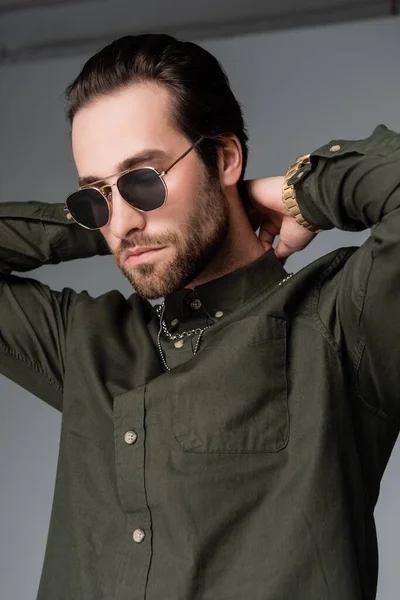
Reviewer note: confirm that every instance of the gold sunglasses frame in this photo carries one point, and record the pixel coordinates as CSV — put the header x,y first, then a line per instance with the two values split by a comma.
x,y
109,187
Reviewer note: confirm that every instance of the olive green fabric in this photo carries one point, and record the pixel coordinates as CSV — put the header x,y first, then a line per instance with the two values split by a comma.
x,y
257,462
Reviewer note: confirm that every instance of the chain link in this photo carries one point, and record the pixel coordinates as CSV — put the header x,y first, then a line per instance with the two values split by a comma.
x,y
177,336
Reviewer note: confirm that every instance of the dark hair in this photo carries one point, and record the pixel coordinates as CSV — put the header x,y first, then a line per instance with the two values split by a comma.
x,y
203,101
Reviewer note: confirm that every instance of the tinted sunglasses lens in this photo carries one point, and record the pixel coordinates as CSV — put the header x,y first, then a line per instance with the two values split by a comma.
x,y
143,189
89,208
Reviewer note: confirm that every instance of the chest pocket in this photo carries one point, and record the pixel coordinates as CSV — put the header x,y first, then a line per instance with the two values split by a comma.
x,y
232,396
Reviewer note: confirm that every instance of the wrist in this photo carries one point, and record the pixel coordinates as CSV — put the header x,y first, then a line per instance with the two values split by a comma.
x,y
289,198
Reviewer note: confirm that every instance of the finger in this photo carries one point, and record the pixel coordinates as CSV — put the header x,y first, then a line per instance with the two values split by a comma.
x,y
267,234
282,251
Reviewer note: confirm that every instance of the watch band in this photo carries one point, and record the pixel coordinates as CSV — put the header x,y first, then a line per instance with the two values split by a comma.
x,y
289,194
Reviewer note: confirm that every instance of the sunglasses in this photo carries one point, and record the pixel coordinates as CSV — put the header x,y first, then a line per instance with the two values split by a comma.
x,y
143,188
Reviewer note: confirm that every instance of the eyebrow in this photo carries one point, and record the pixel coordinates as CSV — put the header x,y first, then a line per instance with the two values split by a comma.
x,y
146,156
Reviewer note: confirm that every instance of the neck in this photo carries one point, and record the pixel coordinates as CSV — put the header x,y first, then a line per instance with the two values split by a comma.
x,y
240,248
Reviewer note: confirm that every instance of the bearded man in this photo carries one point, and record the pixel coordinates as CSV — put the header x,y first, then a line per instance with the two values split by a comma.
x,y
228,442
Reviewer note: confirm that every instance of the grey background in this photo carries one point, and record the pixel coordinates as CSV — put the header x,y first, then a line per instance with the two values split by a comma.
x,y
299,89
30,29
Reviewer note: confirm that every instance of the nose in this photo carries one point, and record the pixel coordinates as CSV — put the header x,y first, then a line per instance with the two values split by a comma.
x,y
124,217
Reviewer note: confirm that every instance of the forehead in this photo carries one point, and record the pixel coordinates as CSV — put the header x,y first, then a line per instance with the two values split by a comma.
x,y
122,124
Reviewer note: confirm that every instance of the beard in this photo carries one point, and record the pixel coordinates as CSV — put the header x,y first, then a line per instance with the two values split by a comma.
x,y
196,246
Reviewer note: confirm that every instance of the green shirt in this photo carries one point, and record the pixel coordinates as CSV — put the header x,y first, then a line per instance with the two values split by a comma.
x,y
251,469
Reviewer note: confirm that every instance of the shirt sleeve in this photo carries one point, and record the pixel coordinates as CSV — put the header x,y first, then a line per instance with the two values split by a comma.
x,y
355,185
34,320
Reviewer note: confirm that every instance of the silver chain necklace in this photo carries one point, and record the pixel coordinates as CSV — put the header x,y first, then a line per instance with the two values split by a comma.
x,y
160,309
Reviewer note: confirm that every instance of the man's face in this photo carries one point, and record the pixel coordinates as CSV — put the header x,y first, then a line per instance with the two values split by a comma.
x,y
190,227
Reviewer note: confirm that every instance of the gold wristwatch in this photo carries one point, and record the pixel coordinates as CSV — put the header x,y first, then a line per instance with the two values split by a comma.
x,y
289,193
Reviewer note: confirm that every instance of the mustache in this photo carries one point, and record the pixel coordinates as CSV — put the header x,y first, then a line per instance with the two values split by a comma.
x,y
144,239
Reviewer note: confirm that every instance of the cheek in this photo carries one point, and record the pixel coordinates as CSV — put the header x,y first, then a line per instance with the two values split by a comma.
x,y
176,217
183,193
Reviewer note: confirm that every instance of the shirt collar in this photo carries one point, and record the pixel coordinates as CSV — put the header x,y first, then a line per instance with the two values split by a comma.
x,y
225,294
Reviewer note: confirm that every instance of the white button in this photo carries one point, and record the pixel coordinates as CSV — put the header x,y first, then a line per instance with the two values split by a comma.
x,y
179,344
334,148
174,323
139,535
130,437
219,314
196,304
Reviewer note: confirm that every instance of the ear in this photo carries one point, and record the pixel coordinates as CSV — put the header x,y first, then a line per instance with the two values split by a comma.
x,y
230,161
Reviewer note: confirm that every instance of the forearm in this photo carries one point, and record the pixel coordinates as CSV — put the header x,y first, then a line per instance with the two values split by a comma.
x,y
36,233
354,187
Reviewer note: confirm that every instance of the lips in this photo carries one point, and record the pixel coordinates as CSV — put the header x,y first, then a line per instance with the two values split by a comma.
x,y
142,250
139,255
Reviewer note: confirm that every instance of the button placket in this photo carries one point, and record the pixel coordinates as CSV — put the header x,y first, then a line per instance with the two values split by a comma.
x,y
130,464
129,449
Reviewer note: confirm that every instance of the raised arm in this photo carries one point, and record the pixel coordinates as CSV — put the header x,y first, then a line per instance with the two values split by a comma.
x,y
35,320
354,185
